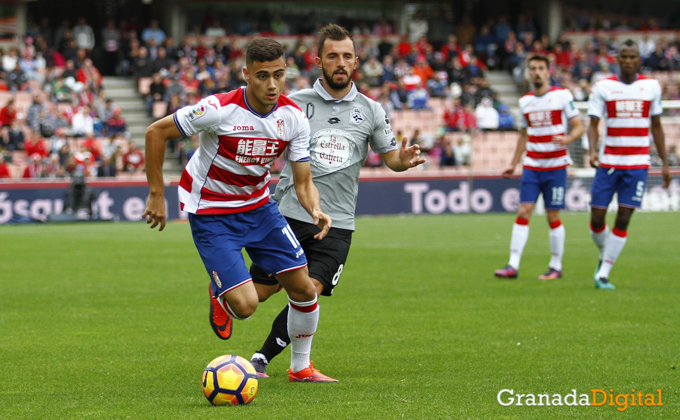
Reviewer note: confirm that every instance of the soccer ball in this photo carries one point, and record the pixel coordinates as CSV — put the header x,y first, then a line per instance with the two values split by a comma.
x,y
230,380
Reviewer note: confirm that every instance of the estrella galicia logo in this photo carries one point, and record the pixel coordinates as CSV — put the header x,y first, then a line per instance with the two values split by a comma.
x,y
310,110
333,120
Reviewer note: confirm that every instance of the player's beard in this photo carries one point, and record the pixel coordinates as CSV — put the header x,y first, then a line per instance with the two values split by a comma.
x,y
328,79
538,84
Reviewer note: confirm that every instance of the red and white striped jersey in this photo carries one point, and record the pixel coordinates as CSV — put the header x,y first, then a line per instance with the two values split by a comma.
x,y
544,117
229,173
626,110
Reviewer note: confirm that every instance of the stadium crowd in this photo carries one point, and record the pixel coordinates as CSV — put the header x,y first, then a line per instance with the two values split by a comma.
x,y
436,58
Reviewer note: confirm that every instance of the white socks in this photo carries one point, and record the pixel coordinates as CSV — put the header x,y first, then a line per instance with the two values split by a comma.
x,y
599,237
303,318
557,234
520,234
612,248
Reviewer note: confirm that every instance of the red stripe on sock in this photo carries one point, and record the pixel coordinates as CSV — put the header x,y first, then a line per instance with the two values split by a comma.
x,y
555,224
521,221
306,309
620,233
597,230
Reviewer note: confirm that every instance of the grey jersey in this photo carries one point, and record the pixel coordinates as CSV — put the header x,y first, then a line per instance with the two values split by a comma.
x,y
341,130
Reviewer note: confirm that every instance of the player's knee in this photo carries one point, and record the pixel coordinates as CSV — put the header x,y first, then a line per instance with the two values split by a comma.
x,y
243,308
303,292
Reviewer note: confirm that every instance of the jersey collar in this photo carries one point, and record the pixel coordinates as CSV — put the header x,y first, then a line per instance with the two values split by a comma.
x,y
318,87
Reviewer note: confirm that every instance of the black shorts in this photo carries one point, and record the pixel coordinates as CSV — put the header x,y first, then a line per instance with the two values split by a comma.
x,y
326,258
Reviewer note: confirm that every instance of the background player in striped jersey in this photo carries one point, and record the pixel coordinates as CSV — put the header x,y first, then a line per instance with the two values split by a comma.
x,y
343,124
224,188
544,113
626,102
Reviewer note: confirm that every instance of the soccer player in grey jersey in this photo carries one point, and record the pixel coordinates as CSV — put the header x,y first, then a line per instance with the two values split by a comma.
x,y
343,124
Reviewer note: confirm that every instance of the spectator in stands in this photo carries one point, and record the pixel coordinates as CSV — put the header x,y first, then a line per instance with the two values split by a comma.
x,y
162,63
10,61
60,33
373,71
116,124
16,79
672,156
143,65
466,31
33,113
486,115
157,92
82,122
462,151
79,197
506,122
46,124
438,85
4,168
14,139
417,27
657,61
8,113
84,35
133,160
647,46
107,168
190,83
446,157
112,148
111,43
418,97
153,31
70,70
33,167
603,73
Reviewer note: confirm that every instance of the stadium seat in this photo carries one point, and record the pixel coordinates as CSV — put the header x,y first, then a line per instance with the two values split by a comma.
x,y
160,109
144,85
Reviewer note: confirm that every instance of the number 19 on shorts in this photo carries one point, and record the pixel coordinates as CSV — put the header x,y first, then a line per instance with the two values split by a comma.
x,y
557,196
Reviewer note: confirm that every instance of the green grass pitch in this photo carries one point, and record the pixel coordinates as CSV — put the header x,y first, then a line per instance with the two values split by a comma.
x,y
110,321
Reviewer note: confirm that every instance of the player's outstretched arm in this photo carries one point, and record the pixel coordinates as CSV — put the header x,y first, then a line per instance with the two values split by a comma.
x,y
593,138
403,158
519,151
577,131
309,196
156,136
660,142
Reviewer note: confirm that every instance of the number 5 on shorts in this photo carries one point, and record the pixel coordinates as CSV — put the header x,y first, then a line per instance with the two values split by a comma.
x,y
640,189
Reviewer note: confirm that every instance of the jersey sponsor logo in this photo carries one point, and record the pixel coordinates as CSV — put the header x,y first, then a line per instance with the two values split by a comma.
x,y
197,112
356,117
249,151
217,279
333,120
244,128
629,109
544,118
280,128
331,149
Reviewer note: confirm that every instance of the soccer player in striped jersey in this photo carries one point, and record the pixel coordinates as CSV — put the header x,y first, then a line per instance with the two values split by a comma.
x,y
630,104
544,113
224,188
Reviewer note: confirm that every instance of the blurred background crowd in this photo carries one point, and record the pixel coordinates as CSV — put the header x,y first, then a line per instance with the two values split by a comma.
x,y
55,109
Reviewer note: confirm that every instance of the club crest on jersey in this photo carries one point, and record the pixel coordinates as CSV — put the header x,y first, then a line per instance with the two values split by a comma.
x,y
217,279
356,117
197,112
279,128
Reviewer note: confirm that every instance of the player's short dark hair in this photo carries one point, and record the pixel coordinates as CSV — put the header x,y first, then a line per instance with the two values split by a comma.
x,y
333,32
541,57
629,43
263,49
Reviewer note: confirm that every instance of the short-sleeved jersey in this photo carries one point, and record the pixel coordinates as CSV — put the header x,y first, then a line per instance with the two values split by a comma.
x,y
229,173
626,110
341,132
544,117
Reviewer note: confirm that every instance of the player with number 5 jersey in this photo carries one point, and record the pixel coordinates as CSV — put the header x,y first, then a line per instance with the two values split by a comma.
x,y
544,114
630,104
224,188
343,124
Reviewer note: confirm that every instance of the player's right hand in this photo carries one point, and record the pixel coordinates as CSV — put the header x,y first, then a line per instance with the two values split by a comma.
x,y
323,221
155,212
507,173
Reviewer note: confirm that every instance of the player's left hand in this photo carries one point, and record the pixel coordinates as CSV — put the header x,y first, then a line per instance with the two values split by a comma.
x,y
323,221
666,177
410,155
561,140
